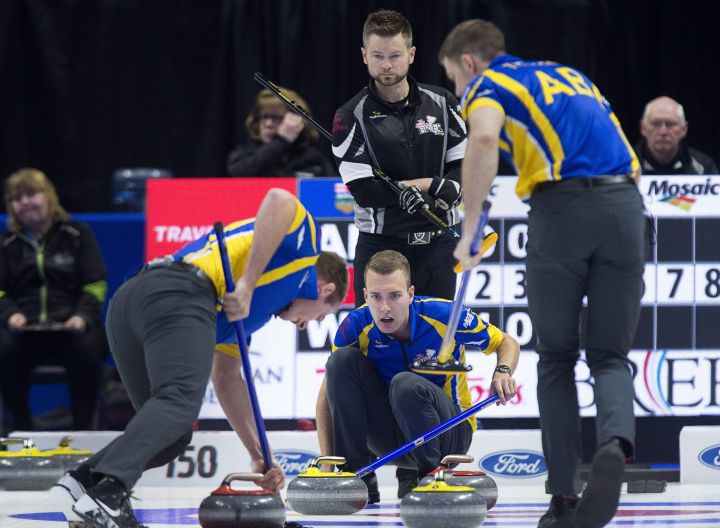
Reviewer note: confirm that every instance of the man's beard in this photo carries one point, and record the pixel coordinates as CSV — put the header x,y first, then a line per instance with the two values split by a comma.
x,y
392,82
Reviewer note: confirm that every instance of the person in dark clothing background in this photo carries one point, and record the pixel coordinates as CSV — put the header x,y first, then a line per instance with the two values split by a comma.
x,y
52,289
662,149
412,132
280,142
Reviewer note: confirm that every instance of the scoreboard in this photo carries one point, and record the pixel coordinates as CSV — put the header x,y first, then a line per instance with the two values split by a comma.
x,y
676,351
681,301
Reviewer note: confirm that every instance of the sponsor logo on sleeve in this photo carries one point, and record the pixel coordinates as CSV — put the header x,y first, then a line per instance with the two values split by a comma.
x,y
338,125
469,317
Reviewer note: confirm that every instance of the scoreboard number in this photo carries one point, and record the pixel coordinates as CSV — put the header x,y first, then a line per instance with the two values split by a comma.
x,y
675,283
707,283
484,287
514,284
516,242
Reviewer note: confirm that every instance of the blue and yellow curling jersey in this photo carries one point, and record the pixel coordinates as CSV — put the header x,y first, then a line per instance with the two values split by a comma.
x,y
428,321
557,123
289,275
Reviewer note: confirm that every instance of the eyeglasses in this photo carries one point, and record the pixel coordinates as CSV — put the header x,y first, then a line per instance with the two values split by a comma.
x,y
273,118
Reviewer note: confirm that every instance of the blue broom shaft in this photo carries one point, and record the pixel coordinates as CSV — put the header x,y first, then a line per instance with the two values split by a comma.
x,y
244,355
432,433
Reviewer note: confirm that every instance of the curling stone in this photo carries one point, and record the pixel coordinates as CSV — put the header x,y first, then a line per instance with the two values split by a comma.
x,y
27,469
316,492
483,483
69,458
439,505
229,508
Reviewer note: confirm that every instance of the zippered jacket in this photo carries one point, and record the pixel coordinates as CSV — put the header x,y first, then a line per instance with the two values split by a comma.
x,y
421,137
54,278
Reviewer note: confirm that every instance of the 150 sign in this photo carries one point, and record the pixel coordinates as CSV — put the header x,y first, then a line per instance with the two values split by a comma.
x,y
203,462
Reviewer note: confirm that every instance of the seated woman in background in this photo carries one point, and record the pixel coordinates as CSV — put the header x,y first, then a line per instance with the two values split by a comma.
x,y
52,289
280,142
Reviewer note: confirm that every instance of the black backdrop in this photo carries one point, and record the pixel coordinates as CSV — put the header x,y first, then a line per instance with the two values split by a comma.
x,y
87,86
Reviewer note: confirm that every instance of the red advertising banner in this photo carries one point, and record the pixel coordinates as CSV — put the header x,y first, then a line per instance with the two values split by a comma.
x,y
180,210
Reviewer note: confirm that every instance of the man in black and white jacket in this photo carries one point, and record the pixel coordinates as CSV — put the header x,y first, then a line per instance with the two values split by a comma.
x,y
412,132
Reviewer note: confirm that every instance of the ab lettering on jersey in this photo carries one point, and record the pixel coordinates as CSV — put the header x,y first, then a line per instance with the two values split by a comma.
x,y
576,85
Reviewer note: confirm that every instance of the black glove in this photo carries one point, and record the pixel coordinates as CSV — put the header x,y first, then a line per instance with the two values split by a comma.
x,y
412,199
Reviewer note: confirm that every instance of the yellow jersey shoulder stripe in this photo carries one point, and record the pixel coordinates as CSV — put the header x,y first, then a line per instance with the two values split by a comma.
x,y
288,269
364,340
496,337
439,327
539,118
229,349
300,214
483,102
635,163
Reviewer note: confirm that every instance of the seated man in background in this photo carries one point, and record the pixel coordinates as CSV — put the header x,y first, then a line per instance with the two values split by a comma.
x,y
662,149
280,142
370,403
52,289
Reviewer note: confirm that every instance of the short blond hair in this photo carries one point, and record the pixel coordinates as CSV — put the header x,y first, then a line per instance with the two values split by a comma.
x,y
29,179
387,262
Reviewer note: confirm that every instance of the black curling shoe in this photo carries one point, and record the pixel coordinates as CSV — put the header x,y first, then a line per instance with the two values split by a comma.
x,y
560,514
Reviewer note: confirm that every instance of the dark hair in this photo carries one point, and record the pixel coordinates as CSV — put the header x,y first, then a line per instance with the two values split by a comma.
x,y
331,268
265,99
387,262
387,23
32,180
476,37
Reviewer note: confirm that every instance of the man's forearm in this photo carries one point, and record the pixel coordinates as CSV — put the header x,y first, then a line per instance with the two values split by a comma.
x,y
508,353
323,418
232,393
478,171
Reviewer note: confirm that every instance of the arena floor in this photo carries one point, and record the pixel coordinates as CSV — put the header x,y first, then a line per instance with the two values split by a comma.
x,y
681,505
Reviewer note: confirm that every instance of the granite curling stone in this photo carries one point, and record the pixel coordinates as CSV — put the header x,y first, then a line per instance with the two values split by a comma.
x,y
440,505
316,492
69,457
230,508
27,469
483,483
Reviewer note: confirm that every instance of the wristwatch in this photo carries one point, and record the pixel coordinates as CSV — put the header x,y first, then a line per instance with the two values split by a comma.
x,y
504,369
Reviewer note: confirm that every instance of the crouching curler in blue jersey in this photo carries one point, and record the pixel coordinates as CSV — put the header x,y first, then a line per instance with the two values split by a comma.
x,y
371,403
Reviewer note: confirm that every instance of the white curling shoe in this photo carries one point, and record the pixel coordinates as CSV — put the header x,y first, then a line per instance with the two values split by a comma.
x,y
67,491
